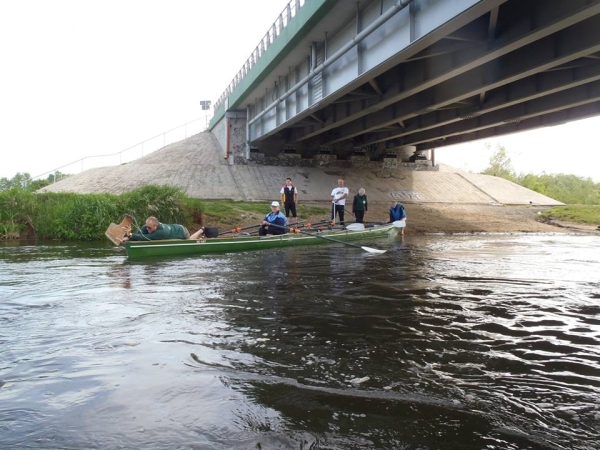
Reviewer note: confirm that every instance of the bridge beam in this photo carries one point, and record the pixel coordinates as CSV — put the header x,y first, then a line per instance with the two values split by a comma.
x,y
414,77
557,118
559,101
524,90
404,34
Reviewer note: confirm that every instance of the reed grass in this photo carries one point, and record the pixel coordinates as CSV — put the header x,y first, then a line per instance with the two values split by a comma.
x,y
85,217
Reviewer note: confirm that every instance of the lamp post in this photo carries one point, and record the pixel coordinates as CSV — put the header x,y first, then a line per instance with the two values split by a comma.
x,y
205,105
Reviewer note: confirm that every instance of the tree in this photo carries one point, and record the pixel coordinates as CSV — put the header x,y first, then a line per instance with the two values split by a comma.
x,y
20,181
500,164
25,182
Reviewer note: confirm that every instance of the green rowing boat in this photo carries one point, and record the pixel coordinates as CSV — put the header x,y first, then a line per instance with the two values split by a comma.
x,y
144,249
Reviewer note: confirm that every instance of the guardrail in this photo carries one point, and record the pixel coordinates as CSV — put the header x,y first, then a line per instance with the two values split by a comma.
x,y
134,152
282,21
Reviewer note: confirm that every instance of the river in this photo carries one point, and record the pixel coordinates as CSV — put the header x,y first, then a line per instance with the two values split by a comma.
x,y
443,342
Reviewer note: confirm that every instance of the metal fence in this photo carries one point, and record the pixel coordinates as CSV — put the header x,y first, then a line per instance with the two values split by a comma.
x,y
282,21
134,152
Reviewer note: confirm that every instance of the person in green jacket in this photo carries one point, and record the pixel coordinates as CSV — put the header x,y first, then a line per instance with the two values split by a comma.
x,y
156,231
359,206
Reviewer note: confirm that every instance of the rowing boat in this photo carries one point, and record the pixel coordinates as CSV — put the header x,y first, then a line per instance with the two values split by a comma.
x,y
143,249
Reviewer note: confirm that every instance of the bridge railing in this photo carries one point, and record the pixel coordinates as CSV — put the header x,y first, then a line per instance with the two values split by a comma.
x,y
134,152
282,21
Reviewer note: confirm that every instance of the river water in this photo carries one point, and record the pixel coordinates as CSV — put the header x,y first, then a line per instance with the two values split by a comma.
x,y
443,342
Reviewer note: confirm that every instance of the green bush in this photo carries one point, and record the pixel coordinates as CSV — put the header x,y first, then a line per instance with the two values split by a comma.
x,y
86,216
589,214
77,216
18,209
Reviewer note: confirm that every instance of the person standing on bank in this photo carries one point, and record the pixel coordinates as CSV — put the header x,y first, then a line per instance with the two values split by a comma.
x,y
397,212
275,217
359,206
289,198
338,200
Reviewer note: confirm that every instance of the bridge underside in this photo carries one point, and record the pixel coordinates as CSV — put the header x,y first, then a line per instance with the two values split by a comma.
x,y
495,67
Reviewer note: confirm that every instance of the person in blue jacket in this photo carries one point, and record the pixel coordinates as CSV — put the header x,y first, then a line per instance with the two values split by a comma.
x,y
397,212
275,217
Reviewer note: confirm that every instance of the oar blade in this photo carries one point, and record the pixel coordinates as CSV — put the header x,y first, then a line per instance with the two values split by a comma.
x,y
355,227
116,233
374,251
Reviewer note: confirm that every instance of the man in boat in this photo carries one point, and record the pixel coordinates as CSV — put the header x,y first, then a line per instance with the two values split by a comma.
x,y
338,200
289,198
275,217
156,231
397,212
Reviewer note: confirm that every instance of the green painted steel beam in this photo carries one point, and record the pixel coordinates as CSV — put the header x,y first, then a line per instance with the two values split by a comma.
x,y
300,25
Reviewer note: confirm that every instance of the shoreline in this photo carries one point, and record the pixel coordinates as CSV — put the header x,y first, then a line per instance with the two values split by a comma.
x,y
449,218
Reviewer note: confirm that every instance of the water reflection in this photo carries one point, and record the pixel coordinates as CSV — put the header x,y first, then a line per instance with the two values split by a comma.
x,y
462,342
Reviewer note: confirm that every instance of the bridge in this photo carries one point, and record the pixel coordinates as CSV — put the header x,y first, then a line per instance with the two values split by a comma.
x,y
384,82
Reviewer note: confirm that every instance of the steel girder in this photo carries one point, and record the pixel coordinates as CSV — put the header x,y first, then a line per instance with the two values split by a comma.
x,y
526,89
417,87
567,99
405,34
556,118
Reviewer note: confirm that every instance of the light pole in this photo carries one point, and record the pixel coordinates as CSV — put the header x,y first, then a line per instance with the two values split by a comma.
x,y
205,105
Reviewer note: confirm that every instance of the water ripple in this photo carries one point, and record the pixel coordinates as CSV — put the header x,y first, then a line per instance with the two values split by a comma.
x,y
443,342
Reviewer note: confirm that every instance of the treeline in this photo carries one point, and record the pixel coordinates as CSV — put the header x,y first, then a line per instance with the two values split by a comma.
x,y
569,189
25,182
25,214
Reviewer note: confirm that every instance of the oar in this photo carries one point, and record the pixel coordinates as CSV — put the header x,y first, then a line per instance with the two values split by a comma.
x,y
366,249
396,224
323,222
355,227
238,229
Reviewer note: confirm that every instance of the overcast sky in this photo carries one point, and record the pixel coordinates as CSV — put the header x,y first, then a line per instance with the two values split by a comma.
x,y
82,78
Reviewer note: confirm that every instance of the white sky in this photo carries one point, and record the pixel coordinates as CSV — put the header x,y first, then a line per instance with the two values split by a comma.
x,y
83,77
571,148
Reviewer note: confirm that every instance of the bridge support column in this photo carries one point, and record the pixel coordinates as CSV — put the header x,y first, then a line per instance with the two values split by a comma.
x,y
234,140
404,153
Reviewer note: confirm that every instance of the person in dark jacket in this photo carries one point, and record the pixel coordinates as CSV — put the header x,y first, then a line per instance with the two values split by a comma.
x,y
359,206
289,198
275,217
153,230
397,212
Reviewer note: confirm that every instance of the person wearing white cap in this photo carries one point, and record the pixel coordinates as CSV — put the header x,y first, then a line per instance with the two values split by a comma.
x,y
275,217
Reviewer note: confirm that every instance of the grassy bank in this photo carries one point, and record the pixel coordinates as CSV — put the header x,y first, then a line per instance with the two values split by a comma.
x,y
224,214
588,214
85,217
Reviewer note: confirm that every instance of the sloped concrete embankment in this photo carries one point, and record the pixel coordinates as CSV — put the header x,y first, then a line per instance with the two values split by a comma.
x,y
196,166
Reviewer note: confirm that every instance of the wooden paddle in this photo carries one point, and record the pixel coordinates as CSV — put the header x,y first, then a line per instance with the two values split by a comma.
x,y
116,233
366,249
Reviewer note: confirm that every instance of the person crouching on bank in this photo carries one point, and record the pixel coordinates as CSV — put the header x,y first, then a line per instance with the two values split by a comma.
x,y
397,212
274,223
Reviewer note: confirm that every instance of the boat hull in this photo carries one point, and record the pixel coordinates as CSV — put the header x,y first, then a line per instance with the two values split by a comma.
x,y
145,249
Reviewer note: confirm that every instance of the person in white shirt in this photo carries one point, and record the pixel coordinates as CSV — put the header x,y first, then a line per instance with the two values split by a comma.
x,y
338,198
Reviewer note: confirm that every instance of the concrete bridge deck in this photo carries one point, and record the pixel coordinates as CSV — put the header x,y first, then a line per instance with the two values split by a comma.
x,y
196,166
